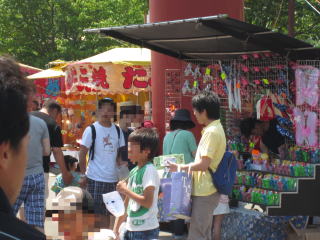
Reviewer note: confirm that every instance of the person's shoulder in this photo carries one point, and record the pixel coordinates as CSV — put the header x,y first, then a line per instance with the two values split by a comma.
x,y
13,228
151,168
186,133
37,120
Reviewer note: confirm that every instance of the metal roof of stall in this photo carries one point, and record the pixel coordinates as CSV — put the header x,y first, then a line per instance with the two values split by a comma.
x,y
209,37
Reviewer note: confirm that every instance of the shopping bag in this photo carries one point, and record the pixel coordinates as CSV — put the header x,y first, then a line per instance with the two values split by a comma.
x,y
180,202
164,200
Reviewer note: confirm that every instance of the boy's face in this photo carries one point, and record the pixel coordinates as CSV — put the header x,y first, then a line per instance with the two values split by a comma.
x,y
135,154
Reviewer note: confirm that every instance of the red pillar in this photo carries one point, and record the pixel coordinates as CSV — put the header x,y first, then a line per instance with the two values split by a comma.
x,y
166,10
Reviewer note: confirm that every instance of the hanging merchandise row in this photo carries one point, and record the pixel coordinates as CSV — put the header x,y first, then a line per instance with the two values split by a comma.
x,y
268,88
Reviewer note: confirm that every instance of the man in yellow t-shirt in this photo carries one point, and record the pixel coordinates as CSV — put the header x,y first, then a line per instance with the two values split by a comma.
x,y
212,146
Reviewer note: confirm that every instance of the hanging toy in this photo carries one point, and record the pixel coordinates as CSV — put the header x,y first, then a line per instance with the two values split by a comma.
x,y
208,88
223,74
207,76
195,89
188,70
196,74
186,87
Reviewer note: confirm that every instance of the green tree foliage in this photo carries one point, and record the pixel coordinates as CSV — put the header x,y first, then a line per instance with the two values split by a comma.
x,y
273,14
38,31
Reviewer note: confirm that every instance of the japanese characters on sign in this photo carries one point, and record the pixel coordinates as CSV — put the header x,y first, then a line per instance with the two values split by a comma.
x,y
88,78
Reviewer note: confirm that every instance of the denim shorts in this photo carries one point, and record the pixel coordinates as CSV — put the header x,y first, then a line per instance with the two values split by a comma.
x,y
142,235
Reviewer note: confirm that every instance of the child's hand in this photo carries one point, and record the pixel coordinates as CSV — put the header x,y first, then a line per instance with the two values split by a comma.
x,y
122,187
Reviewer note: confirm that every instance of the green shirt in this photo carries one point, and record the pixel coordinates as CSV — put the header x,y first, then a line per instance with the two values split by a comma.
x,y
180,142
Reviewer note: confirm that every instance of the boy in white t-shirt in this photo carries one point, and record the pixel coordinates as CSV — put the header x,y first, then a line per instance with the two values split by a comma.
x,y
142,188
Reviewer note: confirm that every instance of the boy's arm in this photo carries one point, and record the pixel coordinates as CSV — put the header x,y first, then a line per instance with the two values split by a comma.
x,y
144,200
120,220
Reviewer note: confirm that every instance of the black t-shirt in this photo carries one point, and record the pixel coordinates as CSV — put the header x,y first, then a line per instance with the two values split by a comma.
x,y
124,150
11,228
272,138
54,133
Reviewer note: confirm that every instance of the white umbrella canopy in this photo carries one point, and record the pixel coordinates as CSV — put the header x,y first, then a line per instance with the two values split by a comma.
x,y
48,73
140,56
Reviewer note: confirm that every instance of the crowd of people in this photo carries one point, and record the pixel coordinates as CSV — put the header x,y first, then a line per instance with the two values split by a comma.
x,y
29,137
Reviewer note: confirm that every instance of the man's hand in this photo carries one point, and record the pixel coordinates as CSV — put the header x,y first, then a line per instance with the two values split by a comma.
x,y
122,187
67,177
172,166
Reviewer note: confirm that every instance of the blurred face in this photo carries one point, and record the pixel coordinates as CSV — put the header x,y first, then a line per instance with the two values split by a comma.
x,y
135,154
75,224
30,103
54,113
201,117
106,113
138,120
126,120
12,167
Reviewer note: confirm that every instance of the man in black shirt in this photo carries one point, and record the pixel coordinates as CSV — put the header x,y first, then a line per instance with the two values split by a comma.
x,y
14,127
49,113
271,138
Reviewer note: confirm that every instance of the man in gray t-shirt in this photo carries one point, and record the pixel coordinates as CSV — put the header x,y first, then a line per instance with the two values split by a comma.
x,y
32,191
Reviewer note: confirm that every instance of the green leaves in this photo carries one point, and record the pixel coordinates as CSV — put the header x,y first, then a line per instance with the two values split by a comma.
x,y
273,14
39,31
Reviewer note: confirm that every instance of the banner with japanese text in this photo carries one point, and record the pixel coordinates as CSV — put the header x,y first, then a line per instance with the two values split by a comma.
x,y
109,78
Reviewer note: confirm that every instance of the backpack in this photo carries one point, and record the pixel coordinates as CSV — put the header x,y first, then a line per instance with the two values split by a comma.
x,y
94,135
223,178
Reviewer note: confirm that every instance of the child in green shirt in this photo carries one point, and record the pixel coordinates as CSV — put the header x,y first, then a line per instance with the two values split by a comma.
x,y
142,188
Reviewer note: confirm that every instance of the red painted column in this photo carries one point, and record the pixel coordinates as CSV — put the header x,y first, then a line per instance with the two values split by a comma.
x,y
166,10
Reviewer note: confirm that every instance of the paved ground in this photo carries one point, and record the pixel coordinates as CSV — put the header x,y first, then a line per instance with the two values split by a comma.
x,y
51,228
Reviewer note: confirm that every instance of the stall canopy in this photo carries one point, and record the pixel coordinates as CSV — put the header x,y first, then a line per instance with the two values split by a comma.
x,y
209,37
117,71
48,73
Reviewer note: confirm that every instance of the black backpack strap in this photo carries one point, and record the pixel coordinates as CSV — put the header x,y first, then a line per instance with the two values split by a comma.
x,y
93,132
118,131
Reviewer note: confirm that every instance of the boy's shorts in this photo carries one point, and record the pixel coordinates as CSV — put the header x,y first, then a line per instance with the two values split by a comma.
x,y
142,235
96,189
32,195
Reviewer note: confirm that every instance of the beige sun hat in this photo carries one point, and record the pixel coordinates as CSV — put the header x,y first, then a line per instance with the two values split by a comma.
x,y
70,198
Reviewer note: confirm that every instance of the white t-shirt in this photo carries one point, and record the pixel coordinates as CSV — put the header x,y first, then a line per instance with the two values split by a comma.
x,y
140,218
103,166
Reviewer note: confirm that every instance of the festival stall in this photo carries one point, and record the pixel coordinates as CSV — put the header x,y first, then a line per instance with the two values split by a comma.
x,y
254,71
121,73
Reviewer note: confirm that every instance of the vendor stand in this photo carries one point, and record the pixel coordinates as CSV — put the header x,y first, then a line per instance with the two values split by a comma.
x,y
243,64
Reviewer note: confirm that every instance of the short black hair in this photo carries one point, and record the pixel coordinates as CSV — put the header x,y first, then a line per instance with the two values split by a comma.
x,y
180,125
51,104
107,100
208,101
247,125
69,160
147,138
14,120
127,112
